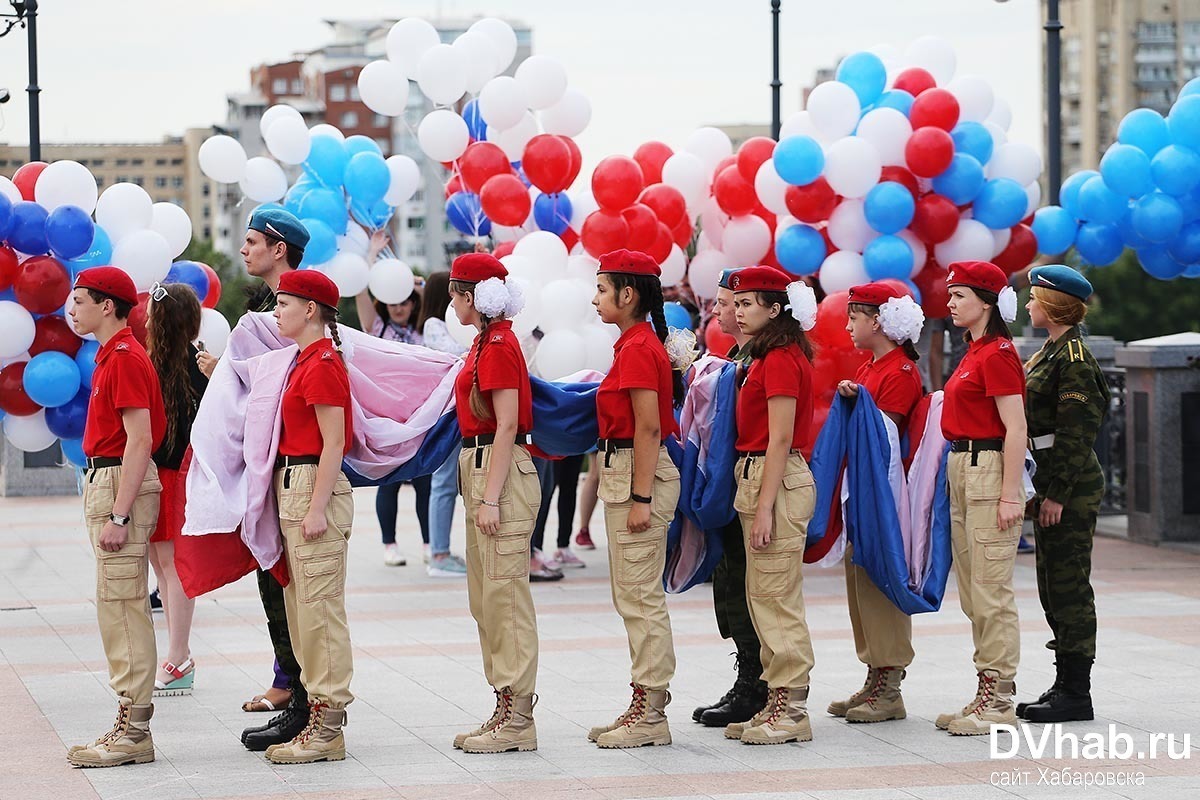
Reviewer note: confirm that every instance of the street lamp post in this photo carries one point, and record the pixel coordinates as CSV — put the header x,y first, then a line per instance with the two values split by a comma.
x,y
775,83
1053,27
25,15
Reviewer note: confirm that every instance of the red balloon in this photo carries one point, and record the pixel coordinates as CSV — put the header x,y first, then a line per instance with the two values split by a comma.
x,y
214,287
503,249
753,153
453,186
900,286
682,234
505,200
1021,250
934,107
727,161
576,160
935,219
643,226
811,203
914,80
616,182
42,284
570,239
26,177
734,194
9,266
903,177
661,248
650,157
547,162
481,161
829,333
667,203
928,152
604,231
931,280
54,334
13,399
717,341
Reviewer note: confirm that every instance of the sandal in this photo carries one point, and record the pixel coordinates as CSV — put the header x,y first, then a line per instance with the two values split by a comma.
x,y
183,676
261,703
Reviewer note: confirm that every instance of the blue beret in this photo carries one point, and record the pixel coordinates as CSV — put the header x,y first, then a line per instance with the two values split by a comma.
x,y
281,224
1062,278
723,281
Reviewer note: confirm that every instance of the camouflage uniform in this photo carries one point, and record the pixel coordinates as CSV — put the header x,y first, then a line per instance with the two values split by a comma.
x,y
1067,396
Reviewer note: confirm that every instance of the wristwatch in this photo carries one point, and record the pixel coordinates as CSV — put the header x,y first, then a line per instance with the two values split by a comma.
x,y
116,519
638,498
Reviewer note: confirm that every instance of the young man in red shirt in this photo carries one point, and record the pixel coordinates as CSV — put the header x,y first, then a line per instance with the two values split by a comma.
x,y
125,424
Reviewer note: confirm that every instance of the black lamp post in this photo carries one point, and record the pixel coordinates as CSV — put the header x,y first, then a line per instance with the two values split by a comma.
x,y
1053,27
25,15
775,83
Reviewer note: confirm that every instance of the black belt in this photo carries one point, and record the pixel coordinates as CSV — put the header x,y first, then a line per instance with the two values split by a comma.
x,y
283,462
610,445
100,462
976,445
484,439
762,453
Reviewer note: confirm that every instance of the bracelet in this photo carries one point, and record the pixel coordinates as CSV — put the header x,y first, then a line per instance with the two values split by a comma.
x,y
638,498
1012,502
490,505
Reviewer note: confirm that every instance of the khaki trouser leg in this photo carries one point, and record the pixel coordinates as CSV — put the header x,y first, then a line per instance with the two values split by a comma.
x,y
122,595
498,569
636,562
774,577
983,560
315,597
882,632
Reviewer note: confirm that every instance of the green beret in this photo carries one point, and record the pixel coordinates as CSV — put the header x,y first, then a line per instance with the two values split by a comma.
x,y
1061,278
281,224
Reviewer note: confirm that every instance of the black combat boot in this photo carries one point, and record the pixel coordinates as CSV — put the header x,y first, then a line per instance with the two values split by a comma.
x,y
699,710
1073,700
1046,695
746,698
283,727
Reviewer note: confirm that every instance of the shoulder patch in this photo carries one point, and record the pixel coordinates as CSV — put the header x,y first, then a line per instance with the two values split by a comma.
x,y
499,337
121,346
1005,344
906,367
1075,350
1080,396
327,354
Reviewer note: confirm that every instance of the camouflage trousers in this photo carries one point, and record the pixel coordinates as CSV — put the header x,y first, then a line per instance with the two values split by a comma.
x,y
1064,567
729,593
277,626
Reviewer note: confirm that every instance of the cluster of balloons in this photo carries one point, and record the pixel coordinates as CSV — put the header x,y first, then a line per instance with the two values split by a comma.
x,y
1146,196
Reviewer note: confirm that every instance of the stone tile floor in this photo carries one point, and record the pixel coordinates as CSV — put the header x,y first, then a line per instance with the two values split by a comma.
x,y
418,682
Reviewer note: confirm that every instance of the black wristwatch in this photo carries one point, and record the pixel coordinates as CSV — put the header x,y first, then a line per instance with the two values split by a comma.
x,y
637,498
118,520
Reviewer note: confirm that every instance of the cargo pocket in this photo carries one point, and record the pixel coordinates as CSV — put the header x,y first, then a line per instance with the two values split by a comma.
x,y
770,573
983,484
995,555
123,574
799,497
295,494
99,494
666,493
639,558
342,503
616,476
508,553
322,570
521,505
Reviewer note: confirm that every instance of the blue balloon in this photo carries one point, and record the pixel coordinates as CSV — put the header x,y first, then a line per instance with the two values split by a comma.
x,y
367,178
973,139
898,99
799,160
1157,217
191,274
1098,245
1185,247
1157,262
864,73
1068,195
888,257
677,316
800,249
962,181
66,421
6,216
552,212
1190,88
98,255
1055,229
73,451
326,162
1176,170
268,207
28,232
889,207
294,199
520,171
1001,204
69,232
1098,203
1129,235
51,379
1126,170
361,144
322,242
466,214
327,205
380,213
1184,122
1191,272
476,125
1145,129
85,360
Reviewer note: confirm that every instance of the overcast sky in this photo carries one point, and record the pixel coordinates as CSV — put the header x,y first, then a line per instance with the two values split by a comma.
x,y
136,70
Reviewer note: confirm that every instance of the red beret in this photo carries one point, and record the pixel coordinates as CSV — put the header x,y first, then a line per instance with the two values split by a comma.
x,y
759,279
873,294
629,262
978,275
111,281
309,284
476,267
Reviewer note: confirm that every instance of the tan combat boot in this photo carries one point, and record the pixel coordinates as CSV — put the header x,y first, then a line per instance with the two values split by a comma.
x,y
645,724
884,702
838,708
994,707
595,733
514,729
943,720
484,728
321,739
128,742
734,730
787,722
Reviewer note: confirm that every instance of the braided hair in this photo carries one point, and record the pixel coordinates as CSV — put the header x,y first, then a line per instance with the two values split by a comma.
x,y
650,302
329,317
479,408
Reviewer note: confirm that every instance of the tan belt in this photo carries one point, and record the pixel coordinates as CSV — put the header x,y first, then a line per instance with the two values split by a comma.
x,y
1041,442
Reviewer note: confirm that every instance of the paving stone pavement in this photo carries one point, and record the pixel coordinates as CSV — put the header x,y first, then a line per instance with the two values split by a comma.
x,y
418,681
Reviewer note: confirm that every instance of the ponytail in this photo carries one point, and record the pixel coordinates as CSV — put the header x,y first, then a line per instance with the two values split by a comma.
x,y
650,303
910,350
329,319
478,407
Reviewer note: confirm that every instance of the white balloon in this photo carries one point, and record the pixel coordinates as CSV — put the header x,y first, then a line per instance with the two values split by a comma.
x,y
713,221
145,255
848,227
214,331
502,103
528,270
710,145
442,74
325,129
1015,160
560,353
888,129
528,317
565,304
349,271
686,172
1001,114
598,344
383,87
513,140
801,124
347,244
264,181
582,204
405,178
841,270
173,224
443,135
21,358
358,237
919,250
543,79
934,55
66,183
70,304
502,36
288,140
975,97
705,271
222,158
10,190
852,166
463,334
274,114
746,240
1034,194
30,433
480,56
1002,238
17,329
569,116
785,221
583,268
999,137
408,40
833,108
390,280
972,241
770,188
674,267
124,208
544,249
507,233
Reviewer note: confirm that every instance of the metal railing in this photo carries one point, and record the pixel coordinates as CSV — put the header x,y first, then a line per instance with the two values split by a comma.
x,y
1110,445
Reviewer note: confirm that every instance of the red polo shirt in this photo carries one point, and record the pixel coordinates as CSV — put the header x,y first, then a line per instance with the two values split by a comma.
x,y
501,365
639,362
893,381
124,378
318,379
782,372
991,368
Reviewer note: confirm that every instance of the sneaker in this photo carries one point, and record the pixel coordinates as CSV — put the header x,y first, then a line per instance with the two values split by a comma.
x,y
446,565
1024,545
392,556
564,558
426,552
583,539
541,570
155,601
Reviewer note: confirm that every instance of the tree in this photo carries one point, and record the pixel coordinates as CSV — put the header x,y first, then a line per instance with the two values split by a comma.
x,y
1129,304
234,279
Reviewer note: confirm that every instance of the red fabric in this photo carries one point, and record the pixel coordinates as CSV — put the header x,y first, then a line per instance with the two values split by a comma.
x,y
310,285
894,383
639,362
124,378
476,267
759,279
111,281
319,379
501,366
979,274
782,372
629,262
873,294
991,368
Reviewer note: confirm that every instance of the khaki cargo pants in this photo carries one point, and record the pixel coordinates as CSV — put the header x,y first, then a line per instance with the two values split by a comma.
x,y
882,632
